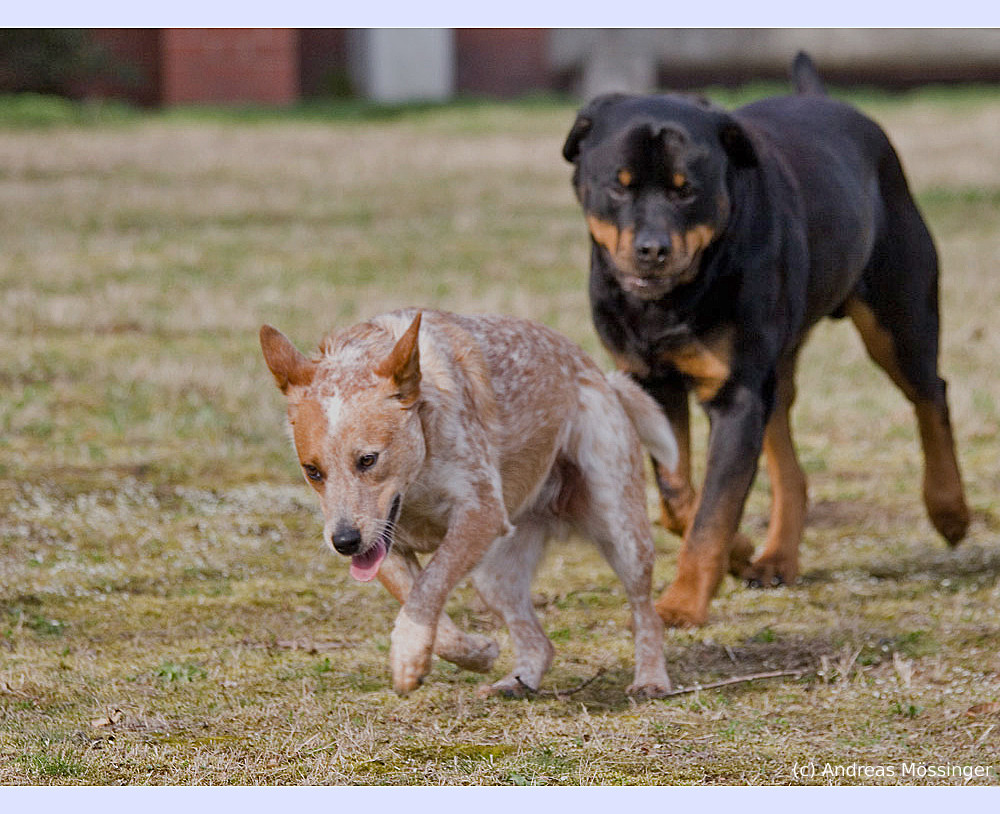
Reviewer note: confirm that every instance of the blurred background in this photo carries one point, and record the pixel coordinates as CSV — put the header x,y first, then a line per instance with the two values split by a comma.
x,y
282,66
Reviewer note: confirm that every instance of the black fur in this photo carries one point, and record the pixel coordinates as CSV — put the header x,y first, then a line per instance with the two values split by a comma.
x,y
809,215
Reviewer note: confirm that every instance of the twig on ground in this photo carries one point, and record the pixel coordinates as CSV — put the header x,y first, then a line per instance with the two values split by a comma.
x,y
735,680
308,646
562,694
6,689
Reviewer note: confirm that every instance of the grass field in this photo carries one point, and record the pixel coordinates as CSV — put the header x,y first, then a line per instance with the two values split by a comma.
x,y
168,614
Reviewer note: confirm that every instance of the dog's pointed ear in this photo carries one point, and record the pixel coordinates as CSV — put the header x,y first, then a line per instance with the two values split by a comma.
x,y
289,367
584,123
403,364
736,143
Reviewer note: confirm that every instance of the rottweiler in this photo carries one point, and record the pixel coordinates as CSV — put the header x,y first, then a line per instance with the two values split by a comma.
x,y
718,240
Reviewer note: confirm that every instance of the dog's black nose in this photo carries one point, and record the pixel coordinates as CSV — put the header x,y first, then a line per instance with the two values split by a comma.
x,y
652,249
346,539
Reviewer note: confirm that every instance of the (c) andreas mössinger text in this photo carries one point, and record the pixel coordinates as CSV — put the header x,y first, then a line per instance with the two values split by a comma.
x,y
905,770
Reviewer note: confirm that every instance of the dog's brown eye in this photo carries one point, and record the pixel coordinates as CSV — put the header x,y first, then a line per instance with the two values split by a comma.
x,y
312,473
625,178
367,461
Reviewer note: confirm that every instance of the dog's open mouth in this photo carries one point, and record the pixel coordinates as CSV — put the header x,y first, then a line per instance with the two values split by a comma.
x,y
364,567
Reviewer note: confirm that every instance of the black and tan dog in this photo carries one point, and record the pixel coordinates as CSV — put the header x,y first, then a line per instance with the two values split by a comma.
x,y
719,239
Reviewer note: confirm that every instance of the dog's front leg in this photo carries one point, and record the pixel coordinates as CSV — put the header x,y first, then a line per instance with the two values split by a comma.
x,y
467,650
677,495
735,439
470,532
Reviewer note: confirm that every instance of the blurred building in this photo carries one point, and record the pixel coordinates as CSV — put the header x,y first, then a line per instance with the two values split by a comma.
x,y
275,66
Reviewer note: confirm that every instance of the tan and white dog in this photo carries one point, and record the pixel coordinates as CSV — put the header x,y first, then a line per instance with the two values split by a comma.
x,y
474,439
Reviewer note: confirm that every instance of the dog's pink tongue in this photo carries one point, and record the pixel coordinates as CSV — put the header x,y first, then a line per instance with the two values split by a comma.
x,y
364,567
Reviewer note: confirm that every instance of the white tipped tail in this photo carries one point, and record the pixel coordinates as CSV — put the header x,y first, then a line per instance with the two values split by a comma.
x,y
648,419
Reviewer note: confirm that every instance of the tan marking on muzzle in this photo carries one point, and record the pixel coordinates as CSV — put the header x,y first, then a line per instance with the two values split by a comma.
x,y
617,241
698,239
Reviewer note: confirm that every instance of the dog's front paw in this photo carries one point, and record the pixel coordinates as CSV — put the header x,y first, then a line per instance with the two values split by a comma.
x,y
411,644
406,678
772,570
682,608
740,555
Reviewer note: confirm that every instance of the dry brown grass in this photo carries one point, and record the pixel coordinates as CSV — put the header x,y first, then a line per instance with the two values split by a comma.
x,y
167,613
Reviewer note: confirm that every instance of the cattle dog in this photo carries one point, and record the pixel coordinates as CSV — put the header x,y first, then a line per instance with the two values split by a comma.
x,y
472,440
718,240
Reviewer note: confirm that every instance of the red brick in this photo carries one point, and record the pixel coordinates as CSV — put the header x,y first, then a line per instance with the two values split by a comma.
x,y
501,61
229,66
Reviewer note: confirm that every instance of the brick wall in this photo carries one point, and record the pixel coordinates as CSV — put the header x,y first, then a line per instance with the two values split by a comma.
x,y
278,66
229,65
501,61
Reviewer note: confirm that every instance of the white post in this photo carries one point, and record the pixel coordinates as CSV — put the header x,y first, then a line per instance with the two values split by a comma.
x,y
404,64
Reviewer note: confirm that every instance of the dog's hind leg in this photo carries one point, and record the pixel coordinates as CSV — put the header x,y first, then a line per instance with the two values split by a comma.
x,y
610,509
503,580
621,531
896,311
466,650
916,376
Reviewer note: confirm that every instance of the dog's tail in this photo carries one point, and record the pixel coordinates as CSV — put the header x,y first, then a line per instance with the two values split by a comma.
x,y
647,418
805,76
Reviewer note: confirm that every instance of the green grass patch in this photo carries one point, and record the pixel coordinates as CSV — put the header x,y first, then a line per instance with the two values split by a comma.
x,y
37,111
47,766
171,672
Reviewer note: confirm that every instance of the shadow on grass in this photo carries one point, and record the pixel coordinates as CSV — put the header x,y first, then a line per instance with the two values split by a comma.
x,y
696,664
950,567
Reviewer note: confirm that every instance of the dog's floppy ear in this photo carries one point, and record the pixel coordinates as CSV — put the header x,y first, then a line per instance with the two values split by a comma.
x,y
737,143
288,366
583,124
580,128
403,364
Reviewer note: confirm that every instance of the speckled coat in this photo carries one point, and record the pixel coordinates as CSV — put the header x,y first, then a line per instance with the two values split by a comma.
x,y
474,440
